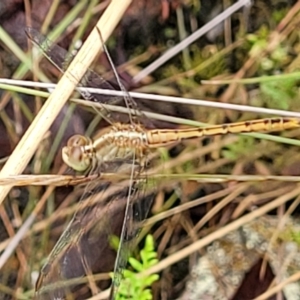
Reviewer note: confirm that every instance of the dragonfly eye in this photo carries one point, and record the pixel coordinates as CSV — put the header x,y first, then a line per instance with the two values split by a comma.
x,y
76,158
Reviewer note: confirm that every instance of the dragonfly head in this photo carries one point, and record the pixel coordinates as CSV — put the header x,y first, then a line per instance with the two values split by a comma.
x,y
77,153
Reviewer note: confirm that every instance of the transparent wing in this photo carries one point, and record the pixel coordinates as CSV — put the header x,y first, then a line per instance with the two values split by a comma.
x,y
138,204
83,248
61,59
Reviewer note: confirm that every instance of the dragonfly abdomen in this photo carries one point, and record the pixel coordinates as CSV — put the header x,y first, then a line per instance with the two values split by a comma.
x,y
160,138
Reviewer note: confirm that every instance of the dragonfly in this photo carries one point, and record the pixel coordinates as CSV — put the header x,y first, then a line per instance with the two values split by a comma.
x,y
123,147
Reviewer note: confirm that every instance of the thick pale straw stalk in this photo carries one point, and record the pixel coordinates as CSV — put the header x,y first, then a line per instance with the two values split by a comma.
x,y
41,124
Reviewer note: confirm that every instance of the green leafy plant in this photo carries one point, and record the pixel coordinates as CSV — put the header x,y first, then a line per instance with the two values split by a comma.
x,y
279,94
135,286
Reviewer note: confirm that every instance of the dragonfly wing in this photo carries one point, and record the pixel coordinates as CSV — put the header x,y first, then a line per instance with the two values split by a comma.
x,y
61,59
83,248
138,208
